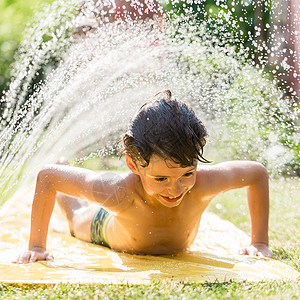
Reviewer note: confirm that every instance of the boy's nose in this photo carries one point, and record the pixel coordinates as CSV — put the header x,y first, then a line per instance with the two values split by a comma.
x,y
175,190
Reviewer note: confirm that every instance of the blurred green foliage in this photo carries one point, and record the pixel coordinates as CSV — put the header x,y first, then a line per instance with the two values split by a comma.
x,y
254,120
14,15
234,22
261,118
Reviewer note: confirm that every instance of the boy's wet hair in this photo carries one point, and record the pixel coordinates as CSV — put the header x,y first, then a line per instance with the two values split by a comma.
x,y
168,128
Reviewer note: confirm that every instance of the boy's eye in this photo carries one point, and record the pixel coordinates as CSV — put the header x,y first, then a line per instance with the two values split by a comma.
x,y
188,174
160,179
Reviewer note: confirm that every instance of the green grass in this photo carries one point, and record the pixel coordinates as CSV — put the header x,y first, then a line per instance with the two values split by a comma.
x,y
157,290
284,217
284,240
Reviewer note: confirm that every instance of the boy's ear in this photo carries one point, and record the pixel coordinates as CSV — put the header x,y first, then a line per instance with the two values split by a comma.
x,y
131,164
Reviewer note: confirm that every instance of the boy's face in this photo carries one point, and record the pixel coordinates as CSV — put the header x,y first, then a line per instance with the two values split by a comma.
x,y
165,181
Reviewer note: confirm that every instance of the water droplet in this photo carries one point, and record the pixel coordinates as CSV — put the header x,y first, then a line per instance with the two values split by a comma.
x,y
87,91
219,206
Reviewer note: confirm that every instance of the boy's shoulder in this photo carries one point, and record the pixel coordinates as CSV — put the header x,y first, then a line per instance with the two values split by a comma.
x,y
205,171
203,176
131,181
209,174
210,178
221,177
130,177
113,182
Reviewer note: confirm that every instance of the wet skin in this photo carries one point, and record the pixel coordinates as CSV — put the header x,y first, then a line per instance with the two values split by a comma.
x,y
156,209
159,218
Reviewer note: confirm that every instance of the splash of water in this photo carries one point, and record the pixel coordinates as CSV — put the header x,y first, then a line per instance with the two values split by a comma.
x,y
106,71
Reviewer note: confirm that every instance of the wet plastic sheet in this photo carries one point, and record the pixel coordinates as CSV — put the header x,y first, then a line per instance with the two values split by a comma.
x,y
211,257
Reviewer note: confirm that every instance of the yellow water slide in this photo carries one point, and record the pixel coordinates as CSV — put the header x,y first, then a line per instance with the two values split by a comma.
x,y
212,256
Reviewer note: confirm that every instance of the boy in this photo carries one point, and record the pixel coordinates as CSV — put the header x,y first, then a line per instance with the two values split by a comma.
x,y
155,209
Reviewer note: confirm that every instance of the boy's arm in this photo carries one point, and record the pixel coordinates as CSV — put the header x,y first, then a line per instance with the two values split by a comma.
x,y
258,202
237,174
76,182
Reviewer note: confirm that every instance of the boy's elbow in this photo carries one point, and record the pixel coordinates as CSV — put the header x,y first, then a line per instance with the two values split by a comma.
x,y
45,174
260,172
262,169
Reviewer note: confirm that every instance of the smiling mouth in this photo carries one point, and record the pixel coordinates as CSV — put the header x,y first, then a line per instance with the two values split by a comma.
x,y
172,199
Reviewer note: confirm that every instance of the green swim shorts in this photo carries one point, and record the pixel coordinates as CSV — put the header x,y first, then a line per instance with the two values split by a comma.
x,y
98,227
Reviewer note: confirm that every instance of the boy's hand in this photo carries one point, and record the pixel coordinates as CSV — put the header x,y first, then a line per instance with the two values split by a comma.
x,y
257,249
35,254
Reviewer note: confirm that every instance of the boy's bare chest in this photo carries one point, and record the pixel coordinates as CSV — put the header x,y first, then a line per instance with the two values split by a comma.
x,y
162,228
